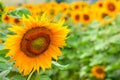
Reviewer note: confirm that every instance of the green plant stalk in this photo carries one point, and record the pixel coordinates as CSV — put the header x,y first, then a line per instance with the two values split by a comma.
x,y
30,75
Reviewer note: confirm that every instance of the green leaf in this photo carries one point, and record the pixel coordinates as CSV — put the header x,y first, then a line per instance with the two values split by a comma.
x,y
113,66
37,76
3,51
19,12
62,67
17,77
43,77
97,59
84,71
4,73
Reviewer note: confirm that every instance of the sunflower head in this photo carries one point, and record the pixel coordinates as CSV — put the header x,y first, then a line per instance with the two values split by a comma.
x,y
36,43
102,14
98,72
16,21
99,5
76,6
86,17
76,17
111,7
6,18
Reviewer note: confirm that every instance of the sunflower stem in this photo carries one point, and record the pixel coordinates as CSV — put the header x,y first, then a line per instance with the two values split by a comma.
x,y
30,75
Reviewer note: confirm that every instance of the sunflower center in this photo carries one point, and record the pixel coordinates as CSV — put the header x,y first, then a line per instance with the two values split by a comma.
x,y
100,71
35,41
76,6
64,9
16,20
6,18
111,7
66,18
86,17
77,17
100,4
38,43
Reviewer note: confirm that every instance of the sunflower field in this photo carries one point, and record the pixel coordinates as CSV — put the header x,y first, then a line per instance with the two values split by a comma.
x,y
60,40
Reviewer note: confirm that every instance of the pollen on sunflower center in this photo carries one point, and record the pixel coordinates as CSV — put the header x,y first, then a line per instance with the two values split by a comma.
x,y
38,43
35,41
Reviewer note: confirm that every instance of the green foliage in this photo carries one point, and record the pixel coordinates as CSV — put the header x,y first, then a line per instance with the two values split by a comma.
x,y
2,8
88,46
19,12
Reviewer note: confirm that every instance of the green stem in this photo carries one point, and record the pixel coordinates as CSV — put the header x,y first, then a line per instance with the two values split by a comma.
x,y
30,75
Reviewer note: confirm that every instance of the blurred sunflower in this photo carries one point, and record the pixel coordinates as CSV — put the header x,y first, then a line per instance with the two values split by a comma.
x,y
29,6
86,17
98,72
63,7
76,6
52,11
16,21
111,7
36,43
68,13
65,18
6,18
101,15
76,17
99,5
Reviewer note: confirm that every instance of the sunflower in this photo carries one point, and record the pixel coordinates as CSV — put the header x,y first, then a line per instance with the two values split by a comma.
x,y
29,6
68,13
39,10
87,17
99,5
36,43
52,11
63,7
76,17
16,21
101,15
98,72
111,7
6,18
76,6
